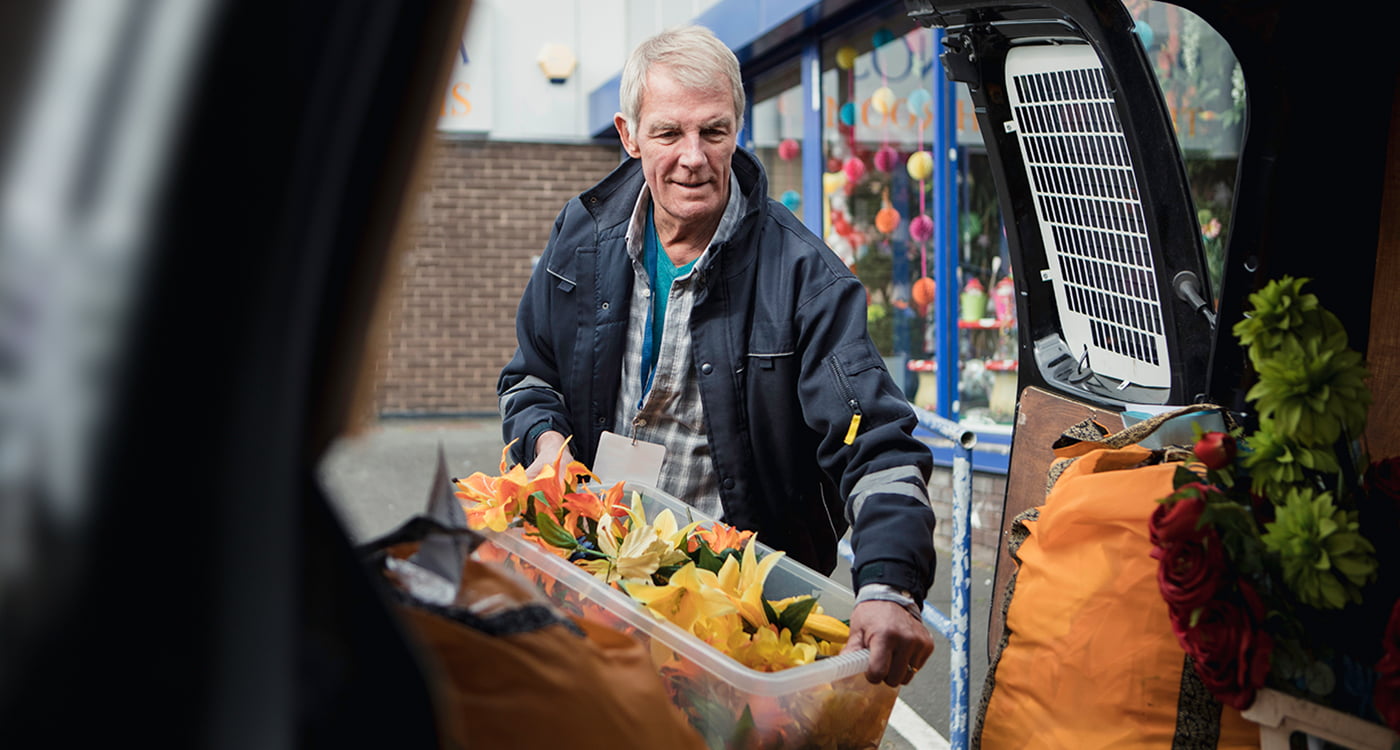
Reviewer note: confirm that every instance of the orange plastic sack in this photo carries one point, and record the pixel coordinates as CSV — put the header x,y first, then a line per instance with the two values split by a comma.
x,y
1090,660
510,672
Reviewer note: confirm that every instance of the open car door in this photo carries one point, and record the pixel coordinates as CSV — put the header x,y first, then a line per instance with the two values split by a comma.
x,y
1116,300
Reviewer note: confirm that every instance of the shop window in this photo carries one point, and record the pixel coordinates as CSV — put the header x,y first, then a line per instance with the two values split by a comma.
x,y
775,127
879,216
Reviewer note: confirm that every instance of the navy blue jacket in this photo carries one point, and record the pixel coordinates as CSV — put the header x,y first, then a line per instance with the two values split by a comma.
x,y
783,359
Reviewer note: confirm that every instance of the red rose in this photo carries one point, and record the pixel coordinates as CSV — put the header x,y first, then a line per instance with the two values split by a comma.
x,y
1215,449
1178,516
1228,648
1190,570
1383,478
1387,690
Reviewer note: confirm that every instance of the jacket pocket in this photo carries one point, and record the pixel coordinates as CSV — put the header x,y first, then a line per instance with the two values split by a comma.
x,y
845,364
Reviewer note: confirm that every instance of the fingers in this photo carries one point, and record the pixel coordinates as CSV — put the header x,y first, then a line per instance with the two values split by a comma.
x,y
899,644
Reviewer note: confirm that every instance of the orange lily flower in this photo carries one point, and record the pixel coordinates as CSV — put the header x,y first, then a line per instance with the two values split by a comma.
x,y
720,537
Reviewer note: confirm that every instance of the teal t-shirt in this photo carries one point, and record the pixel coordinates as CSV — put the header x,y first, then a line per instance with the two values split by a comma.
x,y
661,272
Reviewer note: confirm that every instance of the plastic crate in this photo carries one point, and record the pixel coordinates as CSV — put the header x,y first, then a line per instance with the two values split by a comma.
x,y
827,704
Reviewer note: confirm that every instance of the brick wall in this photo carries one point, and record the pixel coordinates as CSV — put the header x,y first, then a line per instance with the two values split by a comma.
x,y
485,211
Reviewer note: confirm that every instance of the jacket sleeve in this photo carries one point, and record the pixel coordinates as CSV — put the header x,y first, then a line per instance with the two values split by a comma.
x,y
867,446
530,388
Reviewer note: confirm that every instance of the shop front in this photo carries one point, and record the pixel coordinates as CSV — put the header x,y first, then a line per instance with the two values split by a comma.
x,y
866,140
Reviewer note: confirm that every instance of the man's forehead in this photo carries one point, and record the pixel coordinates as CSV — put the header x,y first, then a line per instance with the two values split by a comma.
x,y
712,103
665,122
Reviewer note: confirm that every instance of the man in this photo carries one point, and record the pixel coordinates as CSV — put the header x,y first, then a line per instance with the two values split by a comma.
x,y
677,305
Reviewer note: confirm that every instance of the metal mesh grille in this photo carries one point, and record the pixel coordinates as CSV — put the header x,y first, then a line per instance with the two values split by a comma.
x,y
1090,213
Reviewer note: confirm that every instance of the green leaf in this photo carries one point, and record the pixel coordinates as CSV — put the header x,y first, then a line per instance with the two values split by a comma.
x,y
795,615
743,729
553,533
768,611
1183,476
706,559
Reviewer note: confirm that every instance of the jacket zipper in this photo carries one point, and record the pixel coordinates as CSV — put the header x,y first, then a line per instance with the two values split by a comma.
x,y
850,395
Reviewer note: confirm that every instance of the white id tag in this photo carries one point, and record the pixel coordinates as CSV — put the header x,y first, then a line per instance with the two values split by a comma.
x,y
622,459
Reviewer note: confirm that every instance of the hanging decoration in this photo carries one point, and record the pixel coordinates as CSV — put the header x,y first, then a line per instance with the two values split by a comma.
x,y
921,228
886,158
920,165
883,100
887,218
918,101
833,181
848,114
854,169
789,149
922,293
792,199
846,58
920,168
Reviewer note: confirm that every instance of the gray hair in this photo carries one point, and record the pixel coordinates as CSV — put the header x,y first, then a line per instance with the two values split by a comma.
x,y
694,56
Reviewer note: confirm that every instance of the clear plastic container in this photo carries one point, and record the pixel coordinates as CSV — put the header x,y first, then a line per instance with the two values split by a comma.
x,y
826,704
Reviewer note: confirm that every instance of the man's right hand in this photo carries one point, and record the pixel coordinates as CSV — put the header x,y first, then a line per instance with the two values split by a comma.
x,y
547,447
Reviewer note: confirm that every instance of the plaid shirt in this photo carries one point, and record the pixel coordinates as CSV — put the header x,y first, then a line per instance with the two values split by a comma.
x,y
672,413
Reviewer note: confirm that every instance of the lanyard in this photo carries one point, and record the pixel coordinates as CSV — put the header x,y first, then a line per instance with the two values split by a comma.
x,y
650,251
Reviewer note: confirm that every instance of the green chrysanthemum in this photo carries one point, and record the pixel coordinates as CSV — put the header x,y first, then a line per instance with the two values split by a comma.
x,y
1281,312
1325,560
1276,462
1312,391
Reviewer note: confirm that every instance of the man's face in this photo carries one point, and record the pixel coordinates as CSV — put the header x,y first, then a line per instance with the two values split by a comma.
x,y
685,139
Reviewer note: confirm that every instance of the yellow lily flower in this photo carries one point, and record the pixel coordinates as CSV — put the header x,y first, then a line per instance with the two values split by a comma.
x,y
665,525
827,628
743,581
769,650
634,557
691,595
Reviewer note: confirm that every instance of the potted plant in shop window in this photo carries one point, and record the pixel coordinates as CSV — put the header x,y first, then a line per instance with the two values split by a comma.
x,y
1277,554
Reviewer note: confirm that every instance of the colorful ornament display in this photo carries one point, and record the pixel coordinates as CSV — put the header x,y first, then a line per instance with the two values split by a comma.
x,y
848,114
846,58
887,219
883,100
789,149
886,158
854,169
919,99
921,228
792,199
922,292
920,165
833,181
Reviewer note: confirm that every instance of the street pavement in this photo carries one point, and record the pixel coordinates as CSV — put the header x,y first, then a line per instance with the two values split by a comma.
x,y
379,477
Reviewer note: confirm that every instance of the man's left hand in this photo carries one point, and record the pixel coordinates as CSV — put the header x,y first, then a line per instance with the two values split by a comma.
x,y
899,643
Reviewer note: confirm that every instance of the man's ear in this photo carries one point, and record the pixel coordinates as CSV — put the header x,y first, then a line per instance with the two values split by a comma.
x,y
629,143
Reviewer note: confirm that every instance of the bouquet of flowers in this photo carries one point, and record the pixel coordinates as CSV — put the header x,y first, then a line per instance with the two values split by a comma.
x,y
709,581
1268,546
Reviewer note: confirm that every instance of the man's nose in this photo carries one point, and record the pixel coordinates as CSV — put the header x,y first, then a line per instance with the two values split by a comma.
x,y
692,151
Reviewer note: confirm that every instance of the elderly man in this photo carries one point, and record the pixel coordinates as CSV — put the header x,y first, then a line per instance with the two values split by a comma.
x,y
677,307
